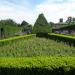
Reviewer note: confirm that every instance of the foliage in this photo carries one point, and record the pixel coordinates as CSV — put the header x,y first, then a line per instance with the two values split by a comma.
x,y
27,29
50,62
70,27
24,23
59,37
7,41
10,27
41,25
70,21
30,46
35,65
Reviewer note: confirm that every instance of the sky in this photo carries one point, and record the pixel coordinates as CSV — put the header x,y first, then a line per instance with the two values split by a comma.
x,y
28,10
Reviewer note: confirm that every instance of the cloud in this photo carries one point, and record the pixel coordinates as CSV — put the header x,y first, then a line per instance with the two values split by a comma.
x,y
53,10
27,10
15,12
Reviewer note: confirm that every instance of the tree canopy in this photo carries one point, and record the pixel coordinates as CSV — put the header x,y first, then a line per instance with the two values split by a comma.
x,y
41,25
24,23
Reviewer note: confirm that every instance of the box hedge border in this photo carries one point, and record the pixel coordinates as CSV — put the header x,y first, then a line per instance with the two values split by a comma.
x,y
12,39
38,65
59,37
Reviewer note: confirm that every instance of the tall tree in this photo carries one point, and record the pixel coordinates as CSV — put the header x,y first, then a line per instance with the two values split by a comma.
x,y
24,23
9,27
41,25
27,29
69,20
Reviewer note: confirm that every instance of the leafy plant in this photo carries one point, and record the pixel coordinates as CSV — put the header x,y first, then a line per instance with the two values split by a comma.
x,y
41,25
59,37
30,46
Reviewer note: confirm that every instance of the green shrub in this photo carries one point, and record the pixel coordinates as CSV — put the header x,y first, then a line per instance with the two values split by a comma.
x,y
68,39
38,65
45,35
6,41
9,28
41,25
30,46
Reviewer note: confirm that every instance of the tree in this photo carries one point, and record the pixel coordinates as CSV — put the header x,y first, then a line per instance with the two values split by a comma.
x,y
8,22
27,29
52,24
69,20
41,25
24,23
8,28
73,22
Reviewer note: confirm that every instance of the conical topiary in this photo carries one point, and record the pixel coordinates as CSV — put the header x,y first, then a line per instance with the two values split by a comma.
x,y
41,25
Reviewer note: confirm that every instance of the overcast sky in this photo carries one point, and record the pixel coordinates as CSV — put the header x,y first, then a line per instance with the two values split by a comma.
x,y
28,10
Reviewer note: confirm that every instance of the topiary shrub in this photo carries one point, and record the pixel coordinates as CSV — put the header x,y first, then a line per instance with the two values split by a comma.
x,y
41,26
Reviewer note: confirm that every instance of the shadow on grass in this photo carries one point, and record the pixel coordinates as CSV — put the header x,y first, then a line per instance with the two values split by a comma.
x,y
35,71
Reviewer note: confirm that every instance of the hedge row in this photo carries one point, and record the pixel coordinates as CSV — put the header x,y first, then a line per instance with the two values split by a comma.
x,y
38,65
5,41
59,37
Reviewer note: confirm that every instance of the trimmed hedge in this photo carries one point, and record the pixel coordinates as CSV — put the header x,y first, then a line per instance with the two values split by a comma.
x,y
35,46
41,25
59,37
38,65
71,27
6,41
42,35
